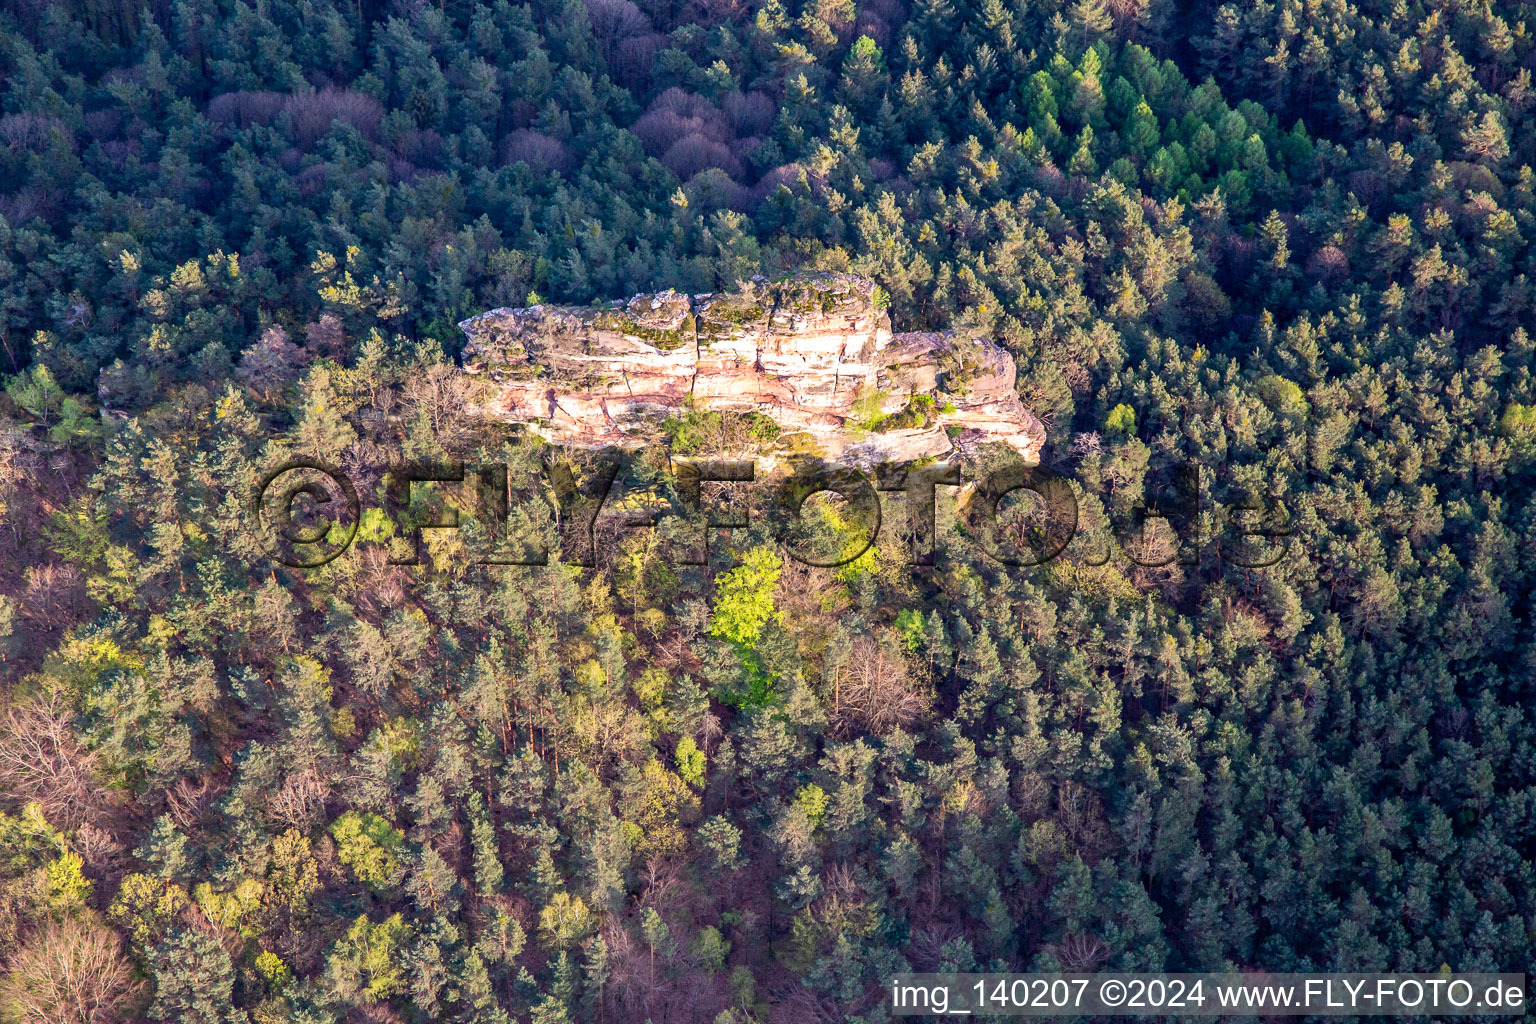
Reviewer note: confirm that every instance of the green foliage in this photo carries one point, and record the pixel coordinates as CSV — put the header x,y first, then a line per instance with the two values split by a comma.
x,y
27,840
234,909
744,598
370,846
68,888
865,413
145,908
657,933
564,921
723,841
918,414
811,800
246,232
292,875
910,627
78,534
691,432
374,527
1121,420
1518,421
36,392
1282,395
697,431
762,429
711,949
368,962
40,875
665,806
271,969
194,980
690,762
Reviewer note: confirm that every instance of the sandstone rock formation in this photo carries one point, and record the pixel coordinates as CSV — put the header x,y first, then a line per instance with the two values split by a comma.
x,y
814,353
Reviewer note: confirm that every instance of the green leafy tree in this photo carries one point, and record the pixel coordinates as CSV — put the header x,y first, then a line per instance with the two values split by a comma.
x,y
368,962
690,762
370,846
744,598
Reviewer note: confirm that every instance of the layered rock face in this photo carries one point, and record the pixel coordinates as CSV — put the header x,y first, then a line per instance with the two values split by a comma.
x,y
814,353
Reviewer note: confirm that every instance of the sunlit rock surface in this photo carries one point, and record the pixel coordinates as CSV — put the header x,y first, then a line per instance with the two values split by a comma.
x,y
814,353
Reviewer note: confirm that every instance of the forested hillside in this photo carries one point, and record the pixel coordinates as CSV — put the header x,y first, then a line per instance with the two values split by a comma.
x,y
1289,243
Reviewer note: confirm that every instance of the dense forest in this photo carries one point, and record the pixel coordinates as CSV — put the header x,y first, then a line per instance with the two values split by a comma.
x,y
1286,242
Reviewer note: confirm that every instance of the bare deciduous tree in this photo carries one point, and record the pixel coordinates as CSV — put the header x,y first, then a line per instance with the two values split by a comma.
x,y
635,56
537,150
245,107
188,801
300,803
676,115
1082,953
15,465
34,131
751,113
875,692
442,393
271,364
694,153
51,588
69,972
312,113
614,21
98,848
41,760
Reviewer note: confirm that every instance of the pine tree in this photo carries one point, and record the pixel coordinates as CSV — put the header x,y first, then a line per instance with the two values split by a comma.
x,y
193,980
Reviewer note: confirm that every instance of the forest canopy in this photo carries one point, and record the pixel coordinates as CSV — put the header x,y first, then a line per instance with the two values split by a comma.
x,y
1288,244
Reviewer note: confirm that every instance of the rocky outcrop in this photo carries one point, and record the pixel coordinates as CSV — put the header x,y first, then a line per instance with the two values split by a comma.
x,y
814,353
